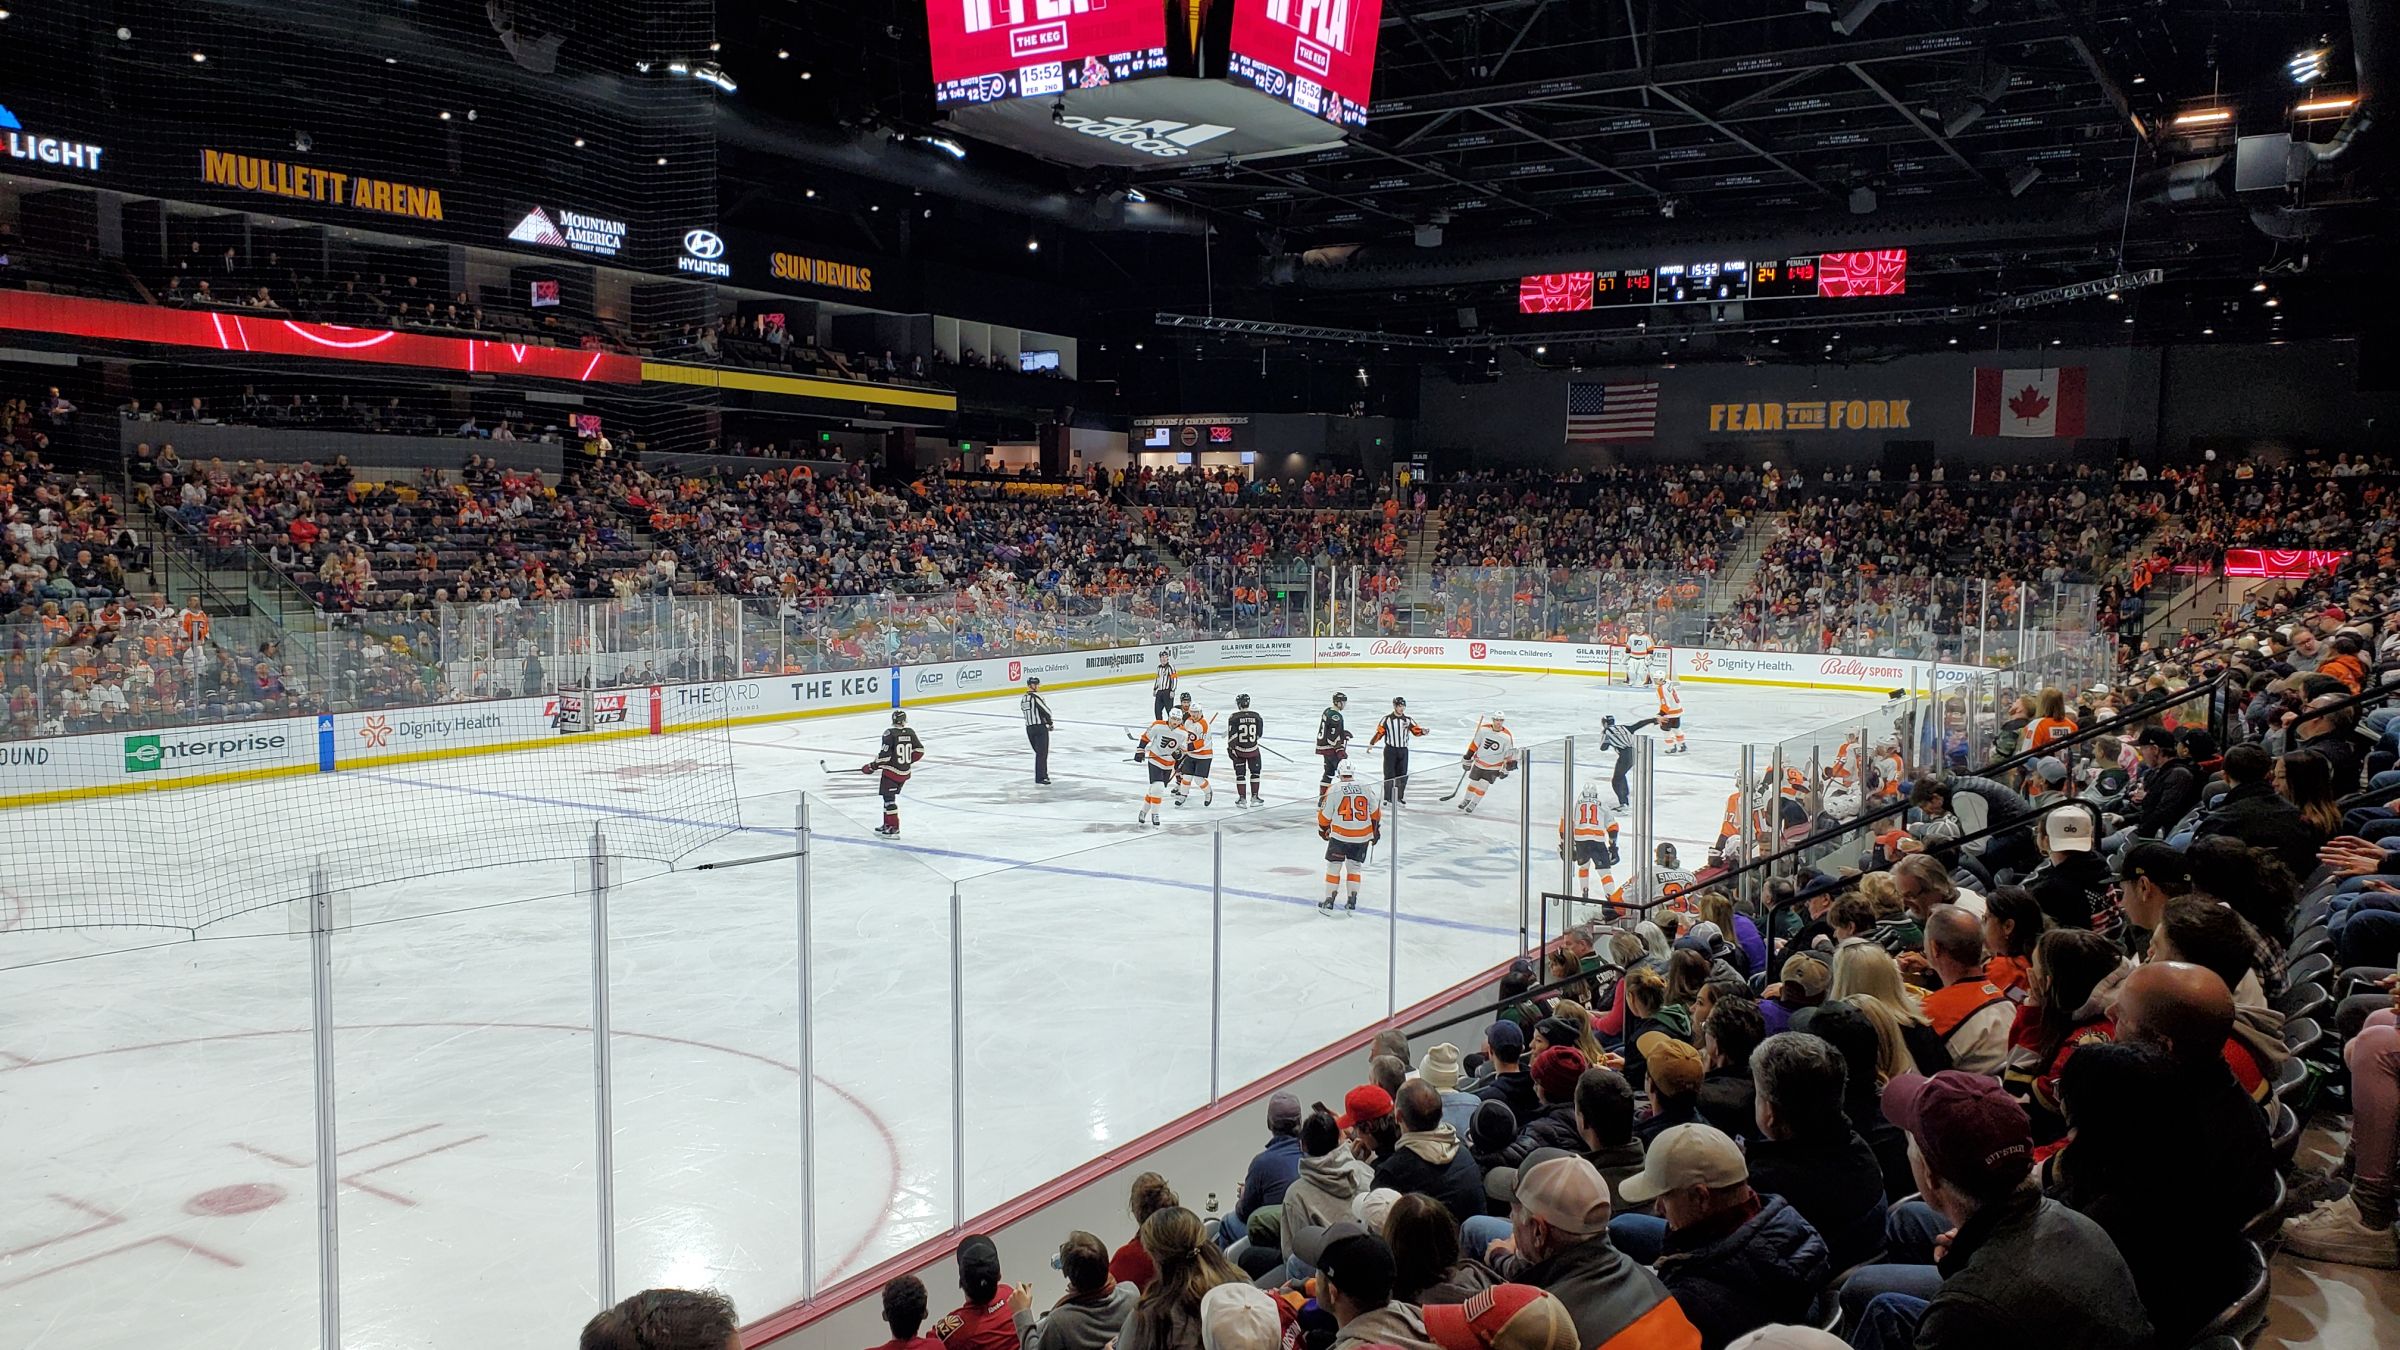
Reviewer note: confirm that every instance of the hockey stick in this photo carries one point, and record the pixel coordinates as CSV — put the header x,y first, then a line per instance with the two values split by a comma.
x,y
1275,752
1463,767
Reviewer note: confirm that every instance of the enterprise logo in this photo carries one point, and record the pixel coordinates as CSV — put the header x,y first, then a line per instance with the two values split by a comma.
x,y
703,254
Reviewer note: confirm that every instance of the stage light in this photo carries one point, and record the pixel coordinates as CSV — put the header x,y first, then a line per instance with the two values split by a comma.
x,y
2204,117
783,53
201,57
445,114
1033,246
2323,107
579,142
2308,66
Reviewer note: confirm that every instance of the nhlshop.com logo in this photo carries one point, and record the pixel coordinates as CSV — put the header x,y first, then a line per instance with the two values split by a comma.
x,y
152,752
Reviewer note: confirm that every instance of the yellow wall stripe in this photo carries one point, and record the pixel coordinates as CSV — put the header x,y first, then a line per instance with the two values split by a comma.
x,y
799,386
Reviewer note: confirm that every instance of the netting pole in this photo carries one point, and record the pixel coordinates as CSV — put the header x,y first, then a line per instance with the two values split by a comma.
x,y
808,1063
1391,976
1745,792
1645,786
604,1135
1570,816
329,1168
958,1062
1525,843
1312,601
1216,958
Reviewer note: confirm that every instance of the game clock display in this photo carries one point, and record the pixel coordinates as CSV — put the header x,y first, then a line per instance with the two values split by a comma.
x,y
1317,55
984,51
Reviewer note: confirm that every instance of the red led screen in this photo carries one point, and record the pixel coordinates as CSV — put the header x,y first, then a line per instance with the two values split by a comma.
x,y
1330,42
2282,562
1876,272
972,39
70,316
1555,293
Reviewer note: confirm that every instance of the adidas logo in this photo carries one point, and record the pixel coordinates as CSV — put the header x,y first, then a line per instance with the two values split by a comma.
x,y
1158,136
536,228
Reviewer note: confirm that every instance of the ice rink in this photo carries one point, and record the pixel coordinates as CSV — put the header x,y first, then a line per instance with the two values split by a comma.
x,y
156,1089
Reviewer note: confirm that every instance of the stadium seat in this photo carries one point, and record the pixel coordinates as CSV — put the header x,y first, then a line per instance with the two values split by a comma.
x,y
2303,1035
2245,1320
2284,1136
2308,944
2263,1224
2290,1077
2311,969
2302,1000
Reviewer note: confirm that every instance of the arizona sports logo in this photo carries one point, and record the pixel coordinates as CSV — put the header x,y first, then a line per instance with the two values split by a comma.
x,y
377,732
1016,671
1475,651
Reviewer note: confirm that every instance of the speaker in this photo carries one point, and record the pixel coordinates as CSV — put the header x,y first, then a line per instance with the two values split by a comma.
x,y
1468,318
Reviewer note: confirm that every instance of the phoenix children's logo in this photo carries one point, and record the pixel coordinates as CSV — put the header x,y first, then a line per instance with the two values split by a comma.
x,y
377,731
1016,670
1475,651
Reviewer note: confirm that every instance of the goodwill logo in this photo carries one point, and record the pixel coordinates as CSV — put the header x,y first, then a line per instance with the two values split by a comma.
x,y
154,751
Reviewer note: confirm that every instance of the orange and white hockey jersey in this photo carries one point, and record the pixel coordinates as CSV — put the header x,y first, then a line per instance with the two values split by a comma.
x,y
1351,814
1163,744
1594,822
1891,774
1670,699
1639,643
1493,748
1195,735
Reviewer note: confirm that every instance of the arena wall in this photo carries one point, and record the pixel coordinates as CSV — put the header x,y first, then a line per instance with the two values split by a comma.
x,y
66,768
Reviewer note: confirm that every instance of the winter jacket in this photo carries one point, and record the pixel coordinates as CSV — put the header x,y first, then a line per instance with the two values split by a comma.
x,y
1729,1101
2168,791
1075,1323
1322,1193
1551,1127
1271,1174
1434,1163
1615,1301
1837,1185
2345,752
1182,1331
2028,1271
1516,1089
1398,1324
1455,1285
2071,892
1766,1269
2260,817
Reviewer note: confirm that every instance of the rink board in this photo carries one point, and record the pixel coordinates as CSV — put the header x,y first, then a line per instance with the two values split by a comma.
x,y
68,768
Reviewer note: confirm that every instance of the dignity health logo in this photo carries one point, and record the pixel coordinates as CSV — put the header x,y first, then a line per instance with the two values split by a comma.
x,y
50,150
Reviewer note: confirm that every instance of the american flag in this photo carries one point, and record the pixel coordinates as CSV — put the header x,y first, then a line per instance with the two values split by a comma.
x,y
1612,412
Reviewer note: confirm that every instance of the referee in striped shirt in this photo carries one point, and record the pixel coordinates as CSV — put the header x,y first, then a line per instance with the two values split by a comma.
x,y
1393,734
1037,727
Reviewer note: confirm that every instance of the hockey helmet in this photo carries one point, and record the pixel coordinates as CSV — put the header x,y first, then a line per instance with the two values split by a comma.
x,y
1241,700
1664,855
1346,773
899,718
1184,697
1340,699
1499,719
1588,792
1608,719
1399,703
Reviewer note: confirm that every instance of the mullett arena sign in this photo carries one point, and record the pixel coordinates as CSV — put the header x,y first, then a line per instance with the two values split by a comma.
x,y
308,183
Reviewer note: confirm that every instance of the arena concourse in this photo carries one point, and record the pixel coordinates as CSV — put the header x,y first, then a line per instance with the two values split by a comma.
x,y
1199,675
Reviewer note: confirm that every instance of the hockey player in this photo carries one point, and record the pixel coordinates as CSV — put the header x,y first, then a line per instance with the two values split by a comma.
x,y
1243,732
895,759
1670,714
1492,753
1162,687
1670,881
1595,843
1350,822
1333,743
1160,750
1640,647
1199,757
1393,734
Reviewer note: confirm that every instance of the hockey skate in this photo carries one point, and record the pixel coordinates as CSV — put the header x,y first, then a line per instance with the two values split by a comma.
x,y
887,830
1352,906
1325,906
1208,796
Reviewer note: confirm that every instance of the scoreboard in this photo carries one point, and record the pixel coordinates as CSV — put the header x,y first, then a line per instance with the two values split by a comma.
x,y
1804,277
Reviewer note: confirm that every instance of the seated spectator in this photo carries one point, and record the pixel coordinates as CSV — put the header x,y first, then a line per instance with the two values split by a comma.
x,y
1150,1194
1430,1159
2071,884
1805,979
2066,1008
1971,1014
1866,977
1559,1243
1808,1152
1427,1264
1505,1079
1442,1066
676,1319
2013,920
1495,1128
1355,1276
1186,1265
1515,1317
1604,1109
1728,1098
1854,1038
1271,1172
1734,1259
2020,1269
2149,874
2185,1013
904,1305
1331,1177
1674,1070
2252,811
1086,1317
1388,1072
2198,930
983,1321
1242,1317
1368,1123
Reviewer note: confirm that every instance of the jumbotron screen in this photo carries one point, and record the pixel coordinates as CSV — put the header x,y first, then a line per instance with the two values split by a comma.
x,y
988,50
1317,55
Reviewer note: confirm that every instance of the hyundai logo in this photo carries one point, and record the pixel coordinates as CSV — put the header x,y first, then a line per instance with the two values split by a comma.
x,y
703,244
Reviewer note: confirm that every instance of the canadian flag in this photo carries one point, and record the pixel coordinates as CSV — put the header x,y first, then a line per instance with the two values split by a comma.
x,y
2043,404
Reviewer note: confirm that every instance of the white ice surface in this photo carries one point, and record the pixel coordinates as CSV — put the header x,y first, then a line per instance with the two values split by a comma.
x,y
155,1090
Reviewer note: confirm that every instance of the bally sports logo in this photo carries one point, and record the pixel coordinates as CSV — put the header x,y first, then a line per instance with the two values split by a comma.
x,y
1403,651
1476,651
1857,669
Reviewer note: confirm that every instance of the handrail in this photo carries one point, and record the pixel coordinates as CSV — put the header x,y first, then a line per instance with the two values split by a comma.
x,y
1503,1005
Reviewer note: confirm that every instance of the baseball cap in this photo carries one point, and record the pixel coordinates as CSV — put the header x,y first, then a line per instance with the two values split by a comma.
x,y
2069,829
1356,1258
1364,1103
1566,1193
2155,860
2157,738
2051,768
1506,1038
1809,972
1789,1338
1672,1064
1283,1113
978,1256
1970,1130
1685,1155
1555,1071
1239,1316
1503,1317
1373,1208
1440,1067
